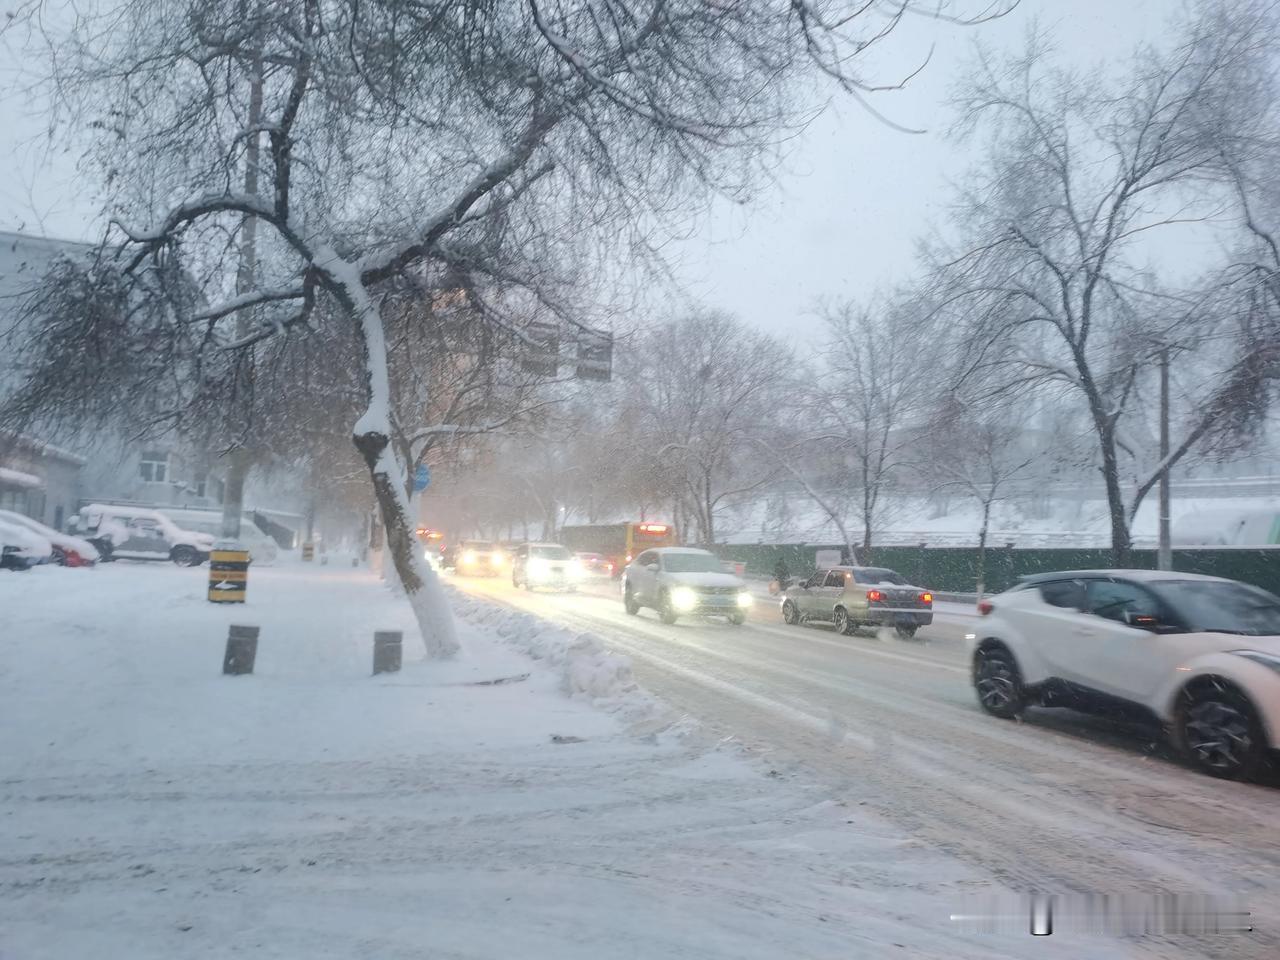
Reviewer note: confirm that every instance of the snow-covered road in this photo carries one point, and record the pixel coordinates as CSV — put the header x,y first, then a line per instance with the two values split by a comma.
x,y
1059,803
151,808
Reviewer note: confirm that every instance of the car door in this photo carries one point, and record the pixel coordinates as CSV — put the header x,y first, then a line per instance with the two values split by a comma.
x,y
809,597
832,590
143,537
1048,617
1115,656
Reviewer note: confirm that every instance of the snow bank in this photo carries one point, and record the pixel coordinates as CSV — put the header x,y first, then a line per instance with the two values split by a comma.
x,y
588,671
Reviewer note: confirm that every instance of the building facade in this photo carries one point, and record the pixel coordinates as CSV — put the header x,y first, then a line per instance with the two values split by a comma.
x,y
48,482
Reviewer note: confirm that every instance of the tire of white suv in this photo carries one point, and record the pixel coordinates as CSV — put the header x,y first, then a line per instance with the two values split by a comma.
x,y
1219,730
998,682
629,602
185,556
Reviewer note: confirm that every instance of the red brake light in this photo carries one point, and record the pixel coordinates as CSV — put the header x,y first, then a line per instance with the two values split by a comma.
x,y
874,596
926,597
985,607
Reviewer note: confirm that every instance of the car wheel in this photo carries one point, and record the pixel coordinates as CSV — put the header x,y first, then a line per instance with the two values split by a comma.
x,y
629,602
998,682
104,550
737,619
1221,733
515,581
843,624
666,612
185,556
906,632
790,613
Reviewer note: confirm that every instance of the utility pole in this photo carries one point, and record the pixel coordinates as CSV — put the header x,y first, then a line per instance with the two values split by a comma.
x,y
1164,554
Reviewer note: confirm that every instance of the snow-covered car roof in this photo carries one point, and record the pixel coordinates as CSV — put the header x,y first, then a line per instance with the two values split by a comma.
x,y
681,550
15,535
64,540
122,511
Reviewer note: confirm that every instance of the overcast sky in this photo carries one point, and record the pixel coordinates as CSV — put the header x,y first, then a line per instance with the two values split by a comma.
x,y
842,218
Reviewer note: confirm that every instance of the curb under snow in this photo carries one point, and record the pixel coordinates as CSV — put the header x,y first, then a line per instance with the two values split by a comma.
x,y
587,670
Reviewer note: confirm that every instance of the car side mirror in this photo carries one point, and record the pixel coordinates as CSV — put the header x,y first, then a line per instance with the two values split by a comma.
x,y
651,567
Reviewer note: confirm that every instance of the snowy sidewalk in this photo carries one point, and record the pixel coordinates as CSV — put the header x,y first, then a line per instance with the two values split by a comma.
x,y
153,808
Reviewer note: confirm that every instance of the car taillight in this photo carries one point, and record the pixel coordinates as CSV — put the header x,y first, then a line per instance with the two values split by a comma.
x,y
874,596
926,598
985,607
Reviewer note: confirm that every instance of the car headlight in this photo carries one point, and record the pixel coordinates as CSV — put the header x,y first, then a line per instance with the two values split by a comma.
x,y
683,598
497,558
1257,656
468,556
745,599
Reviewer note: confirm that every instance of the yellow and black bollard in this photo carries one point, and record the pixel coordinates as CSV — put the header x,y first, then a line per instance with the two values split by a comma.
x,y
228,575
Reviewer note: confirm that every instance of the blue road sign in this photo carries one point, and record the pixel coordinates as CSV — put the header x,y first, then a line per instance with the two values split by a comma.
x,y
421,479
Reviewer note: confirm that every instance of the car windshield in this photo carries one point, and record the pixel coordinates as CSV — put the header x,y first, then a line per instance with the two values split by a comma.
x,y
691,563
1223,606
877,575
550,553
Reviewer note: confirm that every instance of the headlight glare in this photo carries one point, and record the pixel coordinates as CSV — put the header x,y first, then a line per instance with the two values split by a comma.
x,y
745,599
683,598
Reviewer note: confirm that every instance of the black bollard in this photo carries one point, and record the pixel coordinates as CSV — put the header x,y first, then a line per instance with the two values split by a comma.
x,y
386,651
242,650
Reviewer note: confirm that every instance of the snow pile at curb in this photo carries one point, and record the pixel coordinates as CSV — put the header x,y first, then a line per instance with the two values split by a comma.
x,y
587,670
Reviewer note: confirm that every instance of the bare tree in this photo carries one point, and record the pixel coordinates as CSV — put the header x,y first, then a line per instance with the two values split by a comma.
x,y
981,453
707,385
1050,285
492,139
865,413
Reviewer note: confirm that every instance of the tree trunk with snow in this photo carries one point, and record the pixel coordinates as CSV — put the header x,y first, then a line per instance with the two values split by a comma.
x,y
372,437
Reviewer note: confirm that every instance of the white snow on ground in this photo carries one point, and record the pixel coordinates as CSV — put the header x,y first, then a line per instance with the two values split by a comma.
x,y
152,808
587,670
1070,521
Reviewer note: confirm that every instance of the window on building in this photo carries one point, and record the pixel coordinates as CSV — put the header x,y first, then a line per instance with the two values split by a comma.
x,y
154,466
202,486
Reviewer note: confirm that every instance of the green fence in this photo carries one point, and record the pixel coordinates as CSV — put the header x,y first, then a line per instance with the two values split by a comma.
x,y
954,569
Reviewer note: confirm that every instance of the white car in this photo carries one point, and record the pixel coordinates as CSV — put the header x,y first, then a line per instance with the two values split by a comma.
x,y
68,551
678,581
1200,654
140,533
21,548
536,565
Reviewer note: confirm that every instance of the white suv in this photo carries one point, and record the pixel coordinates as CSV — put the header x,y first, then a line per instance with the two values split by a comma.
x,y
681,580
1200,654
139,533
